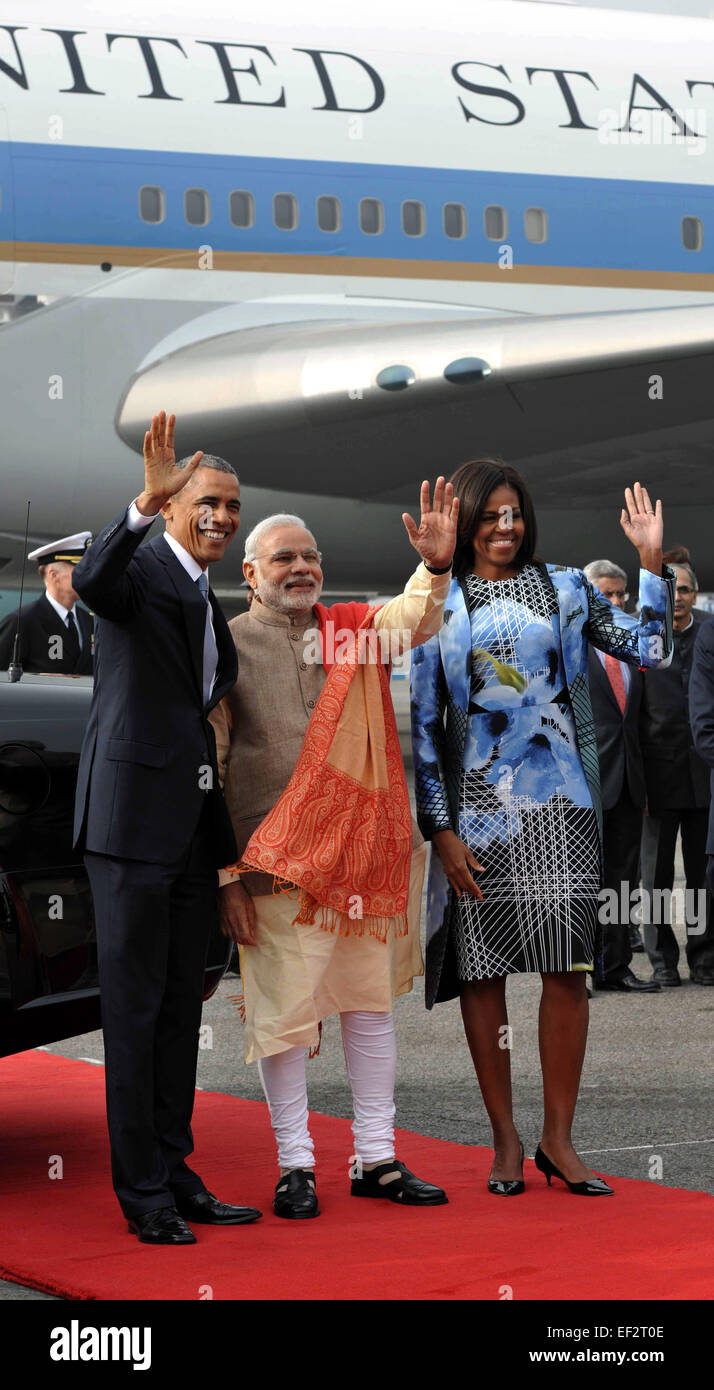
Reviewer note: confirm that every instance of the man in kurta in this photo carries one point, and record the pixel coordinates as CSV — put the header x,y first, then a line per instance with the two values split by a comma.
x,y
317,795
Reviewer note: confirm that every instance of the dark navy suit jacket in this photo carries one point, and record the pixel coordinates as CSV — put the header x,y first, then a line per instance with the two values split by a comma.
x,y
148,761
618,743
676,776
701,708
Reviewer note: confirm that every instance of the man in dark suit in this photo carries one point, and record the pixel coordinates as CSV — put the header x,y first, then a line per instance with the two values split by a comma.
x,y
615,693
151,818
701,714
56,633
677,798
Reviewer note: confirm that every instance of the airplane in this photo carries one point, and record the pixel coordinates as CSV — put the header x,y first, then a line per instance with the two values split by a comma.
x,y
352,248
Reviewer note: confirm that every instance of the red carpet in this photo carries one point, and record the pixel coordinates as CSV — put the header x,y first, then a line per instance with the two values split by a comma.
x,y
67,1235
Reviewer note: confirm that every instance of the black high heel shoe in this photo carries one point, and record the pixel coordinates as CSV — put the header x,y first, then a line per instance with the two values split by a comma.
x,y
507,1187
592,1187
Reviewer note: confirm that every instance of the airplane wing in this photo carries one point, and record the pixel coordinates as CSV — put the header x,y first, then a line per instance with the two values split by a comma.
x,y
582,403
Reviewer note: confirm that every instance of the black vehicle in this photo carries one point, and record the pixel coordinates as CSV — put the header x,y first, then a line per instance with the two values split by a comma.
x,y
48,950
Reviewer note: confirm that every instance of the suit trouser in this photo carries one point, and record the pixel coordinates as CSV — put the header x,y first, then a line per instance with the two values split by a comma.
x,y
622,827
659,840
154,923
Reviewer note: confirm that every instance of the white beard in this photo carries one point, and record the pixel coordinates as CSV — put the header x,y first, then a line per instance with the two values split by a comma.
x,y
285,600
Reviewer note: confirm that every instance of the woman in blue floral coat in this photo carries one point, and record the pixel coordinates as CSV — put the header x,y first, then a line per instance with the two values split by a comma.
x,y
507,790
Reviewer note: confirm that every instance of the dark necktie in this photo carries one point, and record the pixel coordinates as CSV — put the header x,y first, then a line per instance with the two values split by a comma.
x,y
210,650
71,641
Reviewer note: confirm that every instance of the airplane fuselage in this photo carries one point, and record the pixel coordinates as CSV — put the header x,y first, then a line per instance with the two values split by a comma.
x,y
508,159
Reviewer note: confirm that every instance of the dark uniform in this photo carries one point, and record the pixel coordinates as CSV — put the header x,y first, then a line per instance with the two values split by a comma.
x,y
678,800
49,644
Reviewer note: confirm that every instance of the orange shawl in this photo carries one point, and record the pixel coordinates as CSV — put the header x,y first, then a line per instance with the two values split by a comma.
x,y
341,833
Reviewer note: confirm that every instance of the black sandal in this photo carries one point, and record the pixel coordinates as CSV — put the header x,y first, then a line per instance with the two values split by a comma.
x,y
295,1195
407,1189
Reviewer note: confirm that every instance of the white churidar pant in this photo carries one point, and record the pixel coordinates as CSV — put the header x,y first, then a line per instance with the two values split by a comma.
x,y
371,1056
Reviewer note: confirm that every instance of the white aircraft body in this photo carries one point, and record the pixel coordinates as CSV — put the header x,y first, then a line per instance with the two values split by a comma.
x,y
351,247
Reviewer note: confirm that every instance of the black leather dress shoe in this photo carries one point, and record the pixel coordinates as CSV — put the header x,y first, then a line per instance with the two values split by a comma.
x,y
406,1188
162,1227
295,1195
204,1207
629,984
667,976
702,977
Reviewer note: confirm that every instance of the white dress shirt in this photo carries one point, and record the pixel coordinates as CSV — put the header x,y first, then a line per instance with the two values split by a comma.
x,y
63,613
136,521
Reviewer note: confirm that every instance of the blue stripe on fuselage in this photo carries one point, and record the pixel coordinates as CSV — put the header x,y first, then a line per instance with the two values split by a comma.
x,y
86,195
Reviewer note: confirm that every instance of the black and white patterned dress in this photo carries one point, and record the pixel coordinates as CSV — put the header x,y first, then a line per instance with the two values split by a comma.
x,y
525,808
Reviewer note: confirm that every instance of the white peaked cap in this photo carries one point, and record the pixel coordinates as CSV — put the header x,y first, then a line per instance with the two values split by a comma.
x,y
67,548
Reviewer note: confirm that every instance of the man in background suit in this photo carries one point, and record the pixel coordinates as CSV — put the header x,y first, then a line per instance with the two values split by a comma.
x,y
56,634
615,693
151,818
701,713
677,796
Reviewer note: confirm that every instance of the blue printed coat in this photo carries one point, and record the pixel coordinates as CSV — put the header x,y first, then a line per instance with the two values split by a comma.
x,y
440,693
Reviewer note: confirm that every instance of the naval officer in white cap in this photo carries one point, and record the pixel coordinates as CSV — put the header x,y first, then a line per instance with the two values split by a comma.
x,y
56,634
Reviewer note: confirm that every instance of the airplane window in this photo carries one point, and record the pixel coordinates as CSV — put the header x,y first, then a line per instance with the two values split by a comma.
x,y
495,222
395,378
371,216
152,204
413,219
285,211
196,206
242,208
536,224
455,224
465,370
692,233
329,214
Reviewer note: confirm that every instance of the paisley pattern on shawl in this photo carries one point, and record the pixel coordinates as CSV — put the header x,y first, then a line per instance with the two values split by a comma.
x,y
341,833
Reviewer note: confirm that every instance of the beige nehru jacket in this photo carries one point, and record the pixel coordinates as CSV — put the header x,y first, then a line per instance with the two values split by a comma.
x,y
260,725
